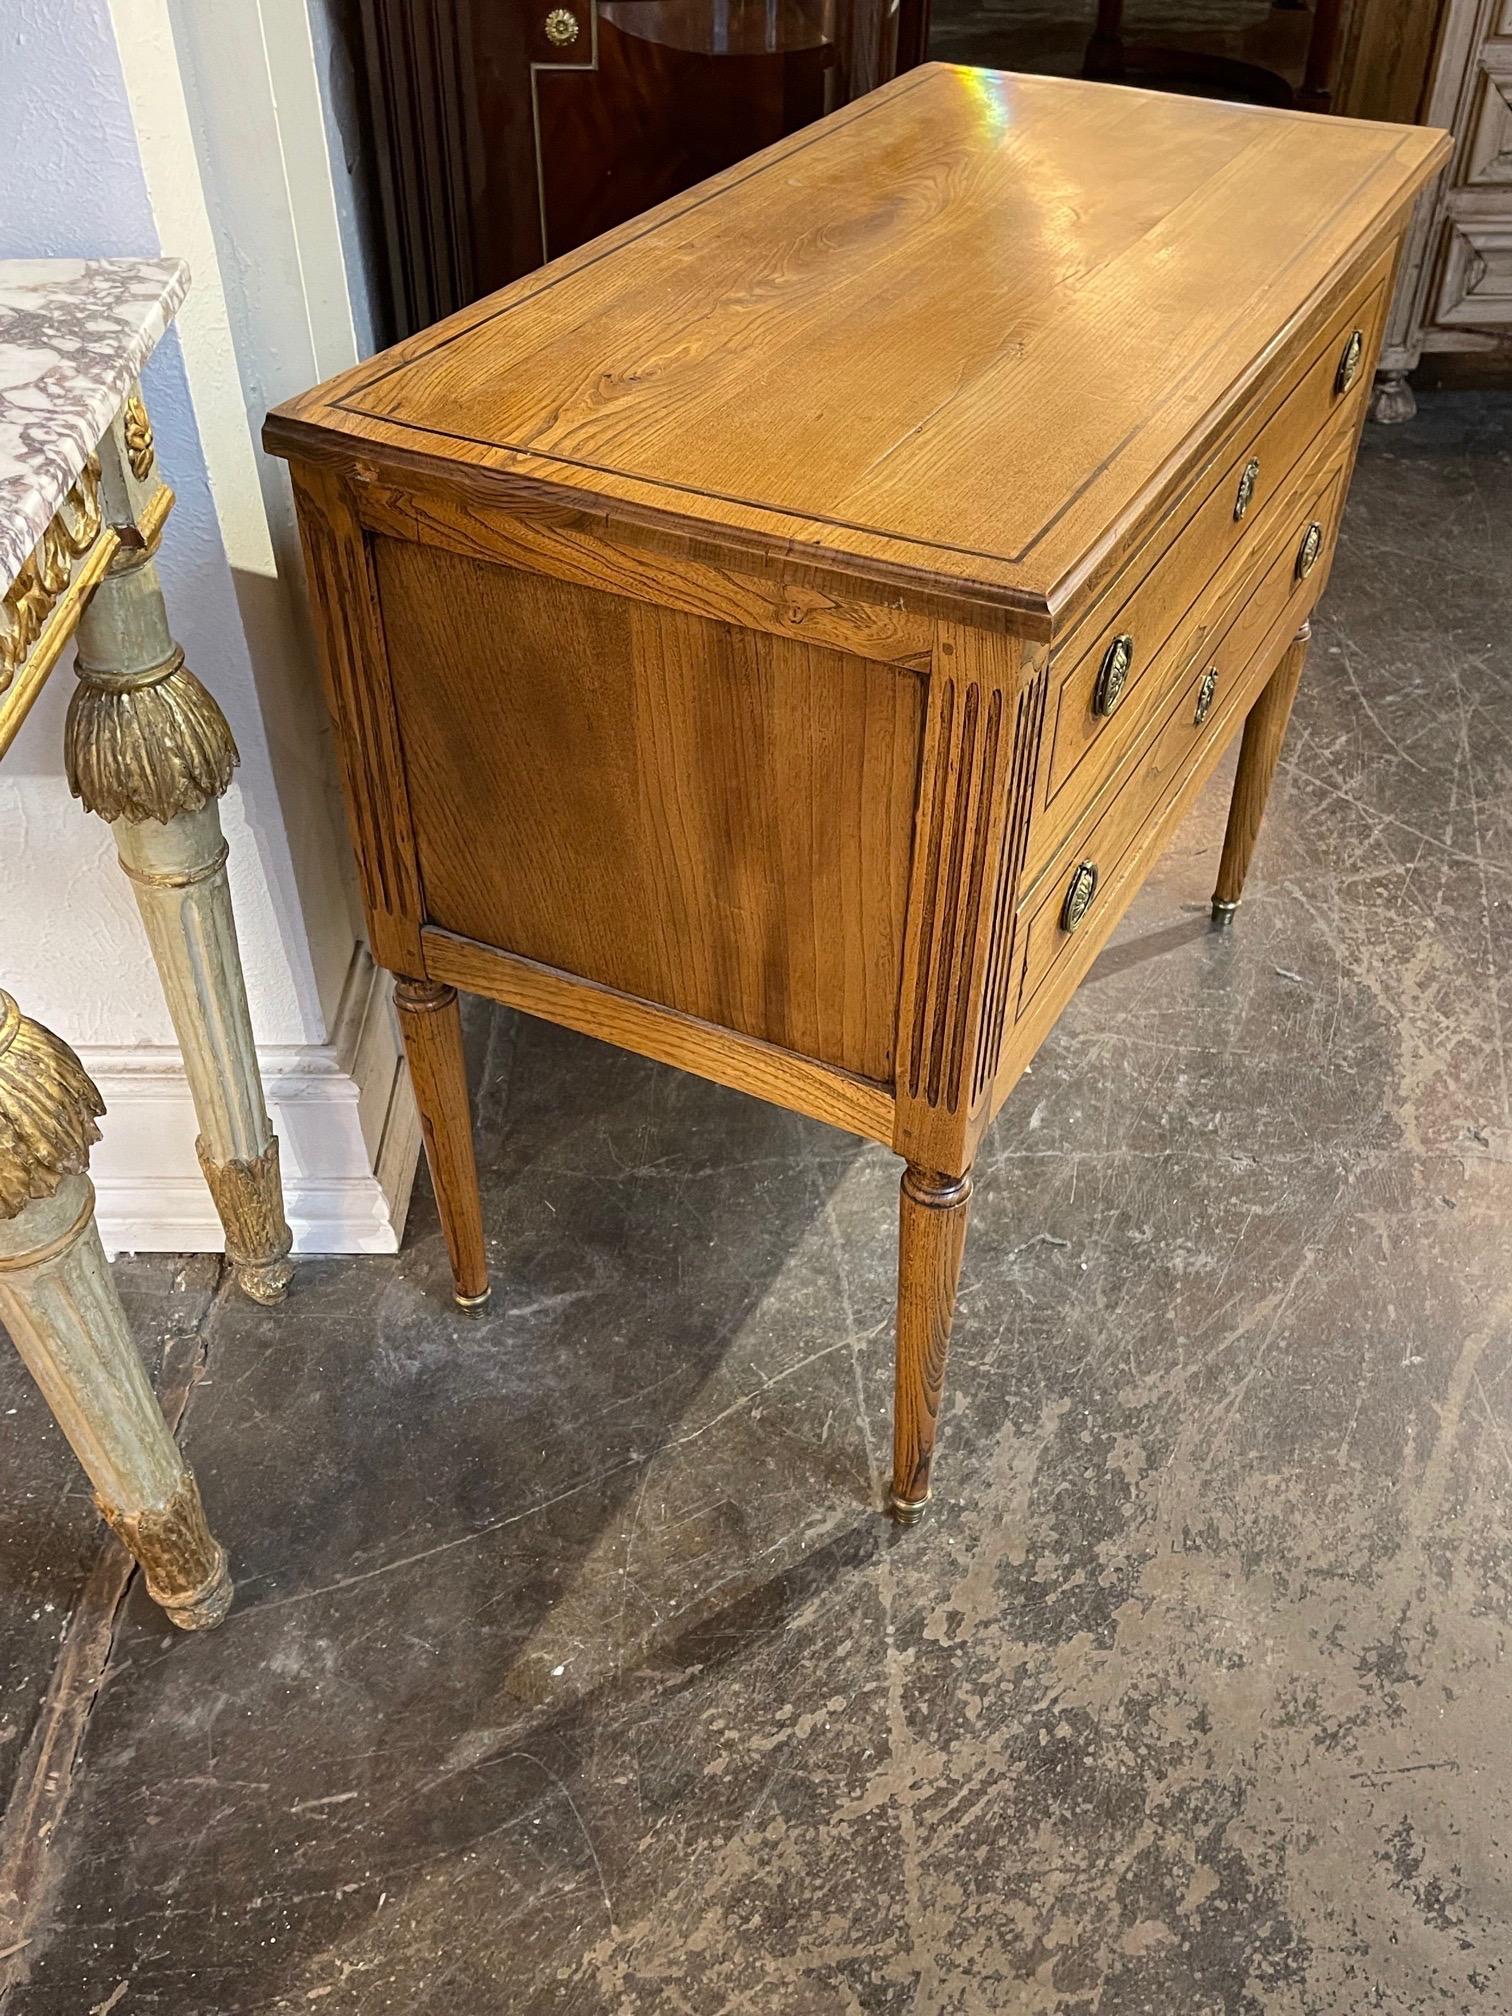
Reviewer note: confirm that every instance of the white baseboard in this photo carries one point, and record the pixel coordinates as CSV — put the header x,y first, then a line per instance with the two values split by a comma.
x,y
343,1111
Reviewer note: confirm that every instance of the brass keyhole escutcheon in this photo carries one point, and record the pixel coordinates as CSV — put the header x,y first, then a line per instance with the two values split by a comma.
x,y
1079,893
1308,551
1113,677
561,27
1349,363
1205,695
1246,490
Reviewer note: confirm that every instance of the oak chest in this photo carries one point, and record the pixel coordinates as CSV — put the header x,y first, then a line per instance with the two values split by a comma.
x,y
778,637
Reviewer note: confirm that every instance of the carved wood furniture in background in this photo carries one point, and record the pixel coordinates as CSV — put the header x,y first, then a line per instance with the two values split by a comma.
x,y
1385,54
779,637
506,133
1456,284
82,508
1112,59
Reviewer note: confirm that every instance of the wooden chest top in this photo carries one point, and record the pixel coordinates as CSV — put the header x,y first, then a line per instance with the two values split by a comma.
x,y
965,335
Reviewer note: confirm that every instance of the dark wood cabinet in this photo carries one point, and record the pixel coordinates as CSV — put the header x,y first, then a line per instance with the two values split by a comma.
x,y
508,131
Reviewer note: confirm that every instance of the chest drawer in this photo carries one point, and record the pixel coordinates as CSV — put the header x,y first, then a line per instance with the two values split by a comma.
x,y
1256,561
1216,684
1123,659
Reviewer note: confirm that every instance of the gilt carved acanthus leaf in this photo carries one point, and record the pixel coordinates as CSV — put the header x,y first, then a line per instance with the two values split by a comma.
x,y
32,596
48,1109
146,746
137,429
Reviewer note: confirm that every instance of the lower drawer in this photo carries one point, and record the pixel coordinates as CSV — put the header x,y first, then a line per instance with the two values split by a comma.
x,y
1220,684
1073,724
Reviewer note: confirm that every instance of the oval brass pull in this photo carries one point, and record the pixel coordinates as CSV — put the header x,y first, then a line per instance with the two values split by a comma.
x,y
1205,696
1308,551
1113,676
1349,363
1079,893
561,27
1246,488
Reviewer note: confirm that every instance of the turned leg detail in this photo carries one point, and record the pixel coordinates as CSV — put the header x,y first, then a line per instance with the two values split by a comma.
x,y
431,1026
932,1213
60,1305
1259,752
148,749
1392,399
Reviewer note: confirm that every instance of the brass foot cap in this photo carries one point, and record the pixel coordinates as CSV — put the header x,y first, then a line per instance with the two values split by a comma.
x,y
472,1301
206,1606
909,1511
265,1281
1223,912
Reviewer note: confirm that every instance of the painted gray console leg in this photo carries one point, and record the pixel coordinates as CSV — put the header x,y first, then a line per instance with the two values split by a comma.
x,y
59,1303
148,749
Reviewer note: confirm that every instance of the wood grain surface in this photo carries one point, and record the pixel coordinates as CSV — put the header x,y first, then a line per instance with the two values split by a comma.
x,y
743,1062
706,817
957,330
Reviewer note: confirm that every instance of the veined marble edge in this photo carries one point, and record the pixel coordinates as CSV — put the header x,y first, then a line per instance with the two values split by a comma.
x,y
74,334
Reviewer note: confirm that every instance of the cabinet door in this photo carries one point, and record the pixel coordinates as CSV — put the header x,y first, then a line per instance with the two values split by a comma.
x,y
454,156
509,131
1475,278
679,89
1488,147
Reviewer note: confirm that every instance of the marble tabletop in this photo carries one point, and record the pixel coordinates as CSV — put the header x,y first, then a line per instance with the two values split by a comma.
x,y
74,333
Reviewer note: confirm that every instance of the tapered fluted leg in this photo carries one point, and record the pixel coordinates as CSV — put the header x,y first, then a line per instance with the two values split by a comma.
x,y
59,1303
932,1215
149,750
431,1026
1264,732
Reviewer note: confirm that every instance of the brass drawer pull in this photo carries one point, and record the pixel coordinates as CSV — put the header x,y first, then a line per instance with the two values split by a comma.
x,y
561,28
1079,893
1349,363
1114,675
1246,488
1308,551
1206,693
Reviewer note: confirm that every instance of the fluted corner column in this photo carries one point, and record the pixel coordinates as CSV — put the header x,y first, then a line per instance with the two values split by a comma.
x,y
148,749
60,1305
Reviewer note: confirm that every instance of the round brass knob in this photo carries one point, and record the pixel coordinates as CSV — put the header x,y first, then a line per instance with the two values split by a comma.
x,y
1205,695
1113,675
1079,893
1246,490
561,27
1349,363
1308,551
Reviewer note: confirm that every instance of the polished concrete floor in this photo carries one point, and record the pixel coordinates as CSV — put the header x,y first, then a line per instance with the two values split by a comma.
x,y
573,1667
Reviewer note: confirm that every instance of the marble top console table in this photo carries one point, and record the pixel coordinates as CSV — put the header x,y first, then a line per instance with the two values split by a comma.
x,y
82,510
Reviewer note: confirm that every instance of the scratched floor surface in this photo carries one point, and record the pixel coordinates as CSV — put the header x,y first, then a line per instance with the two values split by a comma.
x,y
572,1667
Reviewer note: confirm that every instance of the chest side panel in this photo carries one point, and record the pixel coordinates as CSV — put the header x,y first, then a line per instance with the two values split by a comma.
x,y
693,813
